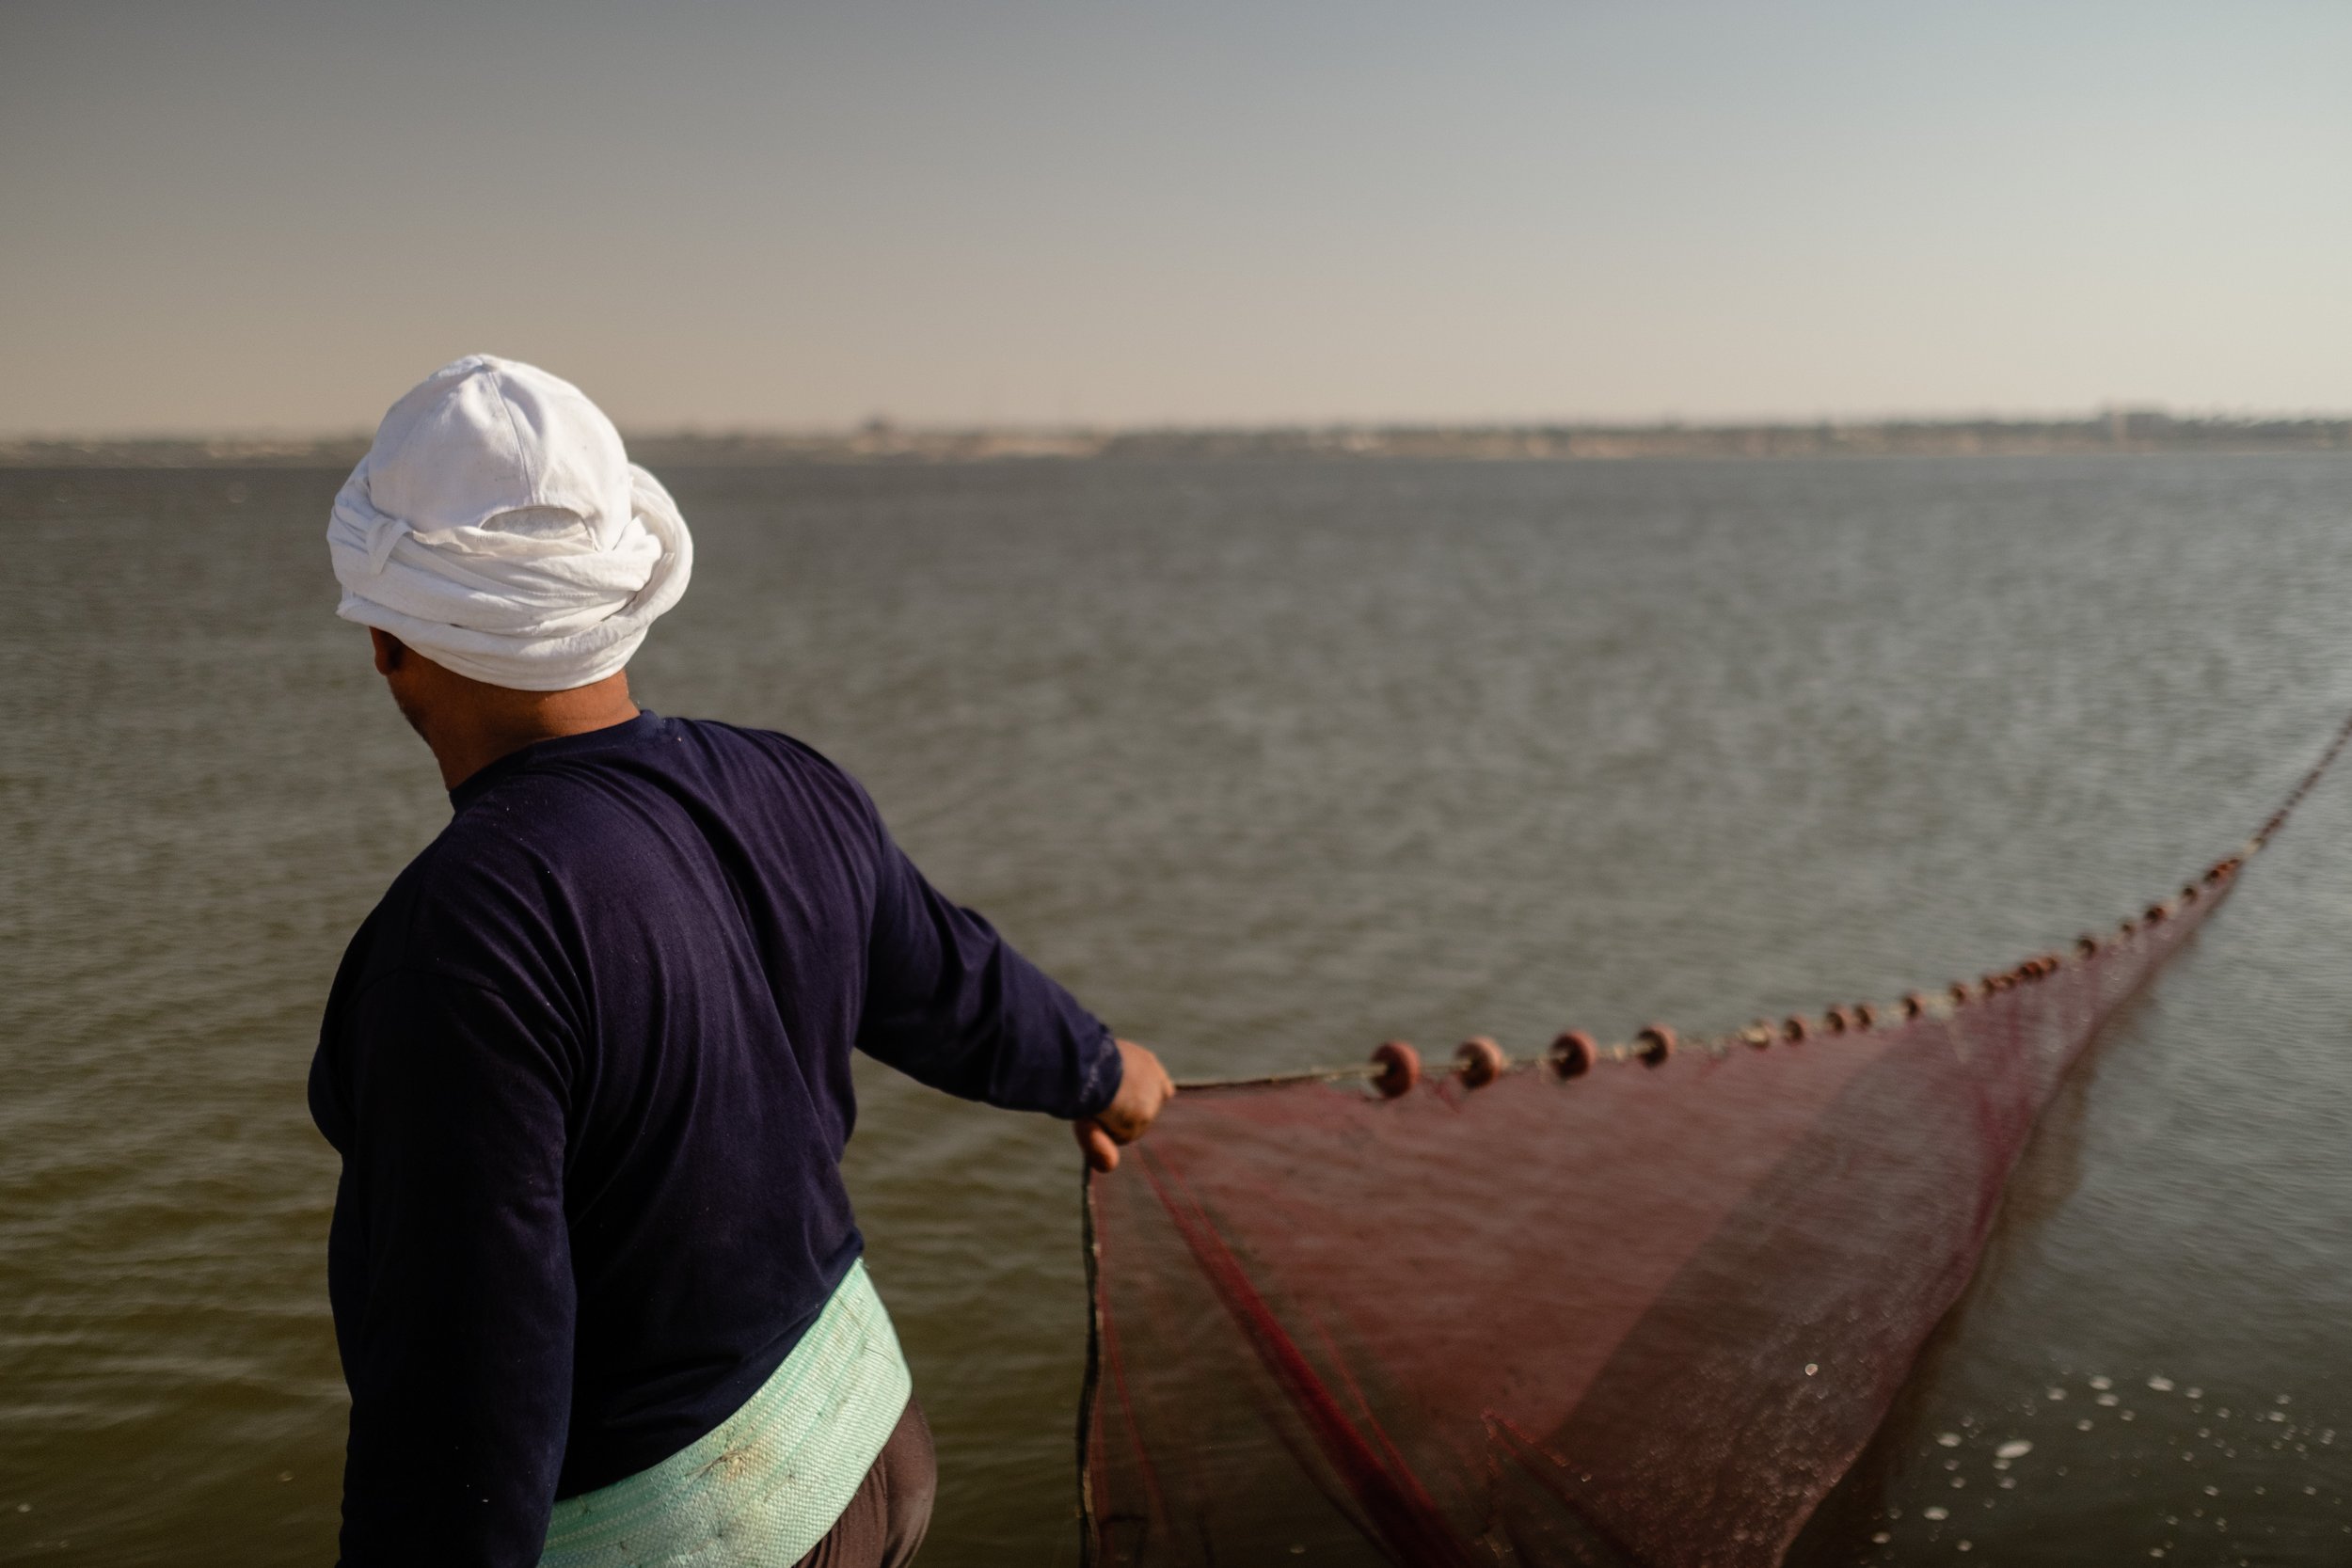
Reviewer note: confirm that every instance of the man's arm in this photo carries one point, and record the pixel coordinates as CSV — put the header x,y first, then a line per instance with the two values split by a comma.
x,y
449,1233
949,1001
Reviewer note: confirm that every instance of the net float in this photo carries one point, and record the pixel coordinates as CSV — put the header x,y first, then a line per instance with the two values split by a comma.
x,y
1573,1054
1482,1061
1759,1034
1654,1044
2088,945
1864,1016
1914,1005
1795,1028
1837,1022
1400,1068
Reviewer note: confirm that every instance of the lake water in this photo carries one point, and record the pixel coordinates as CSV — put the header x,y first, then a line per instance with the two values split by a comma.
x,y
1268,762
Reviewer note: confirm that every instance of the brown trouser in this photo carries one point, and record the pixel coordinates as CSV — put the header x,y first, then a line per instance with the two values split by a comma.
x,y
892,1508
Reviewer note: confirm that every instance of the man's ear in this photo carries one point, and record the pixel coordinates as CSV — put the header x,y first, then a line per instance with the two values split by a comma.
x,y
389,650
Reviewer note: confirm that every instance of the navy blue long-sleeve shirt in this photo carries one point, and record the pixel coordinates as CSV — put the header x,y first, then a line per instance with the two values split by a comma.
x,y
588,1067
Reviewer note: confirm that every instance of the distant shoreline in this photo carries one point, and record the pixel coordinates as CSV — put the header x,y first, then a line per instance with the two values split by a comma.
x,y
2133,430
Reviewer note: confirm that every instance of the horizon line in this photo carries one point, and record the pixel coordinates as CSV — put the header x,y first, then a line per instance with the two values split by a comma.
x,y
883,422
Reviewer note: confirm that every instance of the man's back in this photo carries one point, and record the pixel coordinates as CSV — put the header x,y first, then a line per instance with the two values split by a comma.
x,y
588,1066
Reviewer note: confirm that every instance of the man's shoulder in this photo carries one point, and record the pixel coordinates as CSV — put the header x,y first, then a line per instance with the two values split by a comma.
x,y
465,881
673,754
602,822
760,759
785,750
582,828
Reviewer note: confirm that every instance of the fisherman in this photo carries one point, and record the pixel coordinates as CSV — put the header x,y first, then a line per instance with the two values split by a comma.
x,y
596,1285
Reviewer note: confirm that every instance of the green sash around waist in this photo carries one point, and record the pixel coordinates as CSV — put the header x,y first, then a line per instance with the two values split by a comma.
x,y
771,1479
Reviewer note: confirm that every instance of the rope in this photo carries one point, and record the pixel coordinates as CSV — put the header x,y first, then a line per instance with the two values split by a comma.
x,y
1852,1018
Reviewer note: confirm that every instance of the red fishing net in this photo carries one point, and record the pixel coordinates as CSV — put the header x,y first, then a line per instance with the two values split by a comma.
x,y
1646,1313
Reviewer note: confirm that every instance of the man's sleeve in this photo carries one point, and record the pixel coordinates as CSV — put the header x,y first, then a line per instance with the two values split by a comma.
x,y
950,1003
450,1238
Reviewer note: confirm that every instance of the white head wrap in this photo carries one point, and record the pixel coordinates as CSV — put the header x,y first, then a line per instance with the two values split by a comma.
x,y
498,527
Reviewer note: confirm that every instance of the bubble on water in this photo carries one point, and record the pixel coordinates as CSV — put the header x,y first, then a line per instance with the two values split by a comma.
x,y
2103,1382
2284,1399
1963,1545
1811,1367
2083,1425
1950,1439
2213,1491
2016,1447
2057,1393
2008,1484
2129,1416
2161,1383
1959,1482
1952,1465
1881,1538
1938,1513
2197,1393
2108,1402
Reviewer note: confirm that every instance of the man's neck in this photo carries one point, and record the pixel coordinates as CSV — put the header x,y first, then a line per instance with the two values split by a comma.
x,y
464,743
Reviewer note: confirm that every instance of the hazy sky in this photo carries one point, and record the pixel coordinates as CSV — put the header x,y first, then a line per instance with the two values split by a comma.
x,y
246,216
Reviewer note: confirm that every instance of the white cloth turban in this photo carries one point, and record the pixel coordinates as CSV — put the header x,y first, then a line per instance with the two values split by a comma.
x,y
498,527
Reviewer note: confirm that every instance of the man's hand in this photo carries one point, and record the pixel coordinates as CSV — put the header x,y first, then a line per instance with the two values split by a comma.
x,y
1144,1089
